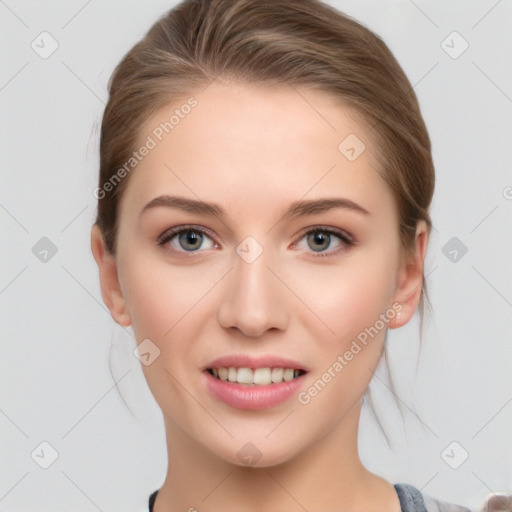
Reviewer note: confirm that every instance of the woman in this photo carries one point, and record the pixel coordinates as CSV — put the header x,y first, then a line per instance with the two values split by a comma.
x,y
263,219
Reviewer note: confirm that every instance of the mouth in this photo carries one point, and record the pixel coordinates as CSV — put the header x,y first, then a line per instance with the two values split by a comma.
x,y
255,376
245,382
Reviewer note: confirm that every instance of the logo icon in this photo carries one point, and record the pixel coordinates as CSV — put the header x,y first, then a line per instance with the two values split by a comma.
x,y
249,454
44,45
44,455
351,147
454,45
249,249
146,352
454,455
44,250
454,249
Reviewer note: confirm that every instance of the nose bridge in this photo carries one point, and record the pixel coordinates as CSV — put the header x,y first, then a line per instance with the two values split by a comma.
x,y
252,301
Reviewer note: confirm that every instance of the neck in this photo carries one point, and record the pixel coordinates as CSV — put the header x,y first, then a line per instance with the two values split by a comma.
x,y
327,475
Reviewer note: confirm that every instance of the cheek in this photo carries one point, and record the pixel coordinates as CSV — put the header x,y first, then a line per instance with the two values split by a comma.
x,y
172,305
346,297
168,305
161,297
350,299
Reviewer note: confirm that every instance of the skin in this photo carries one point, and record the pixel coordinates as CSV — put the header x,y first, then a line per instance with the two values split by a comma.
x,y
254,151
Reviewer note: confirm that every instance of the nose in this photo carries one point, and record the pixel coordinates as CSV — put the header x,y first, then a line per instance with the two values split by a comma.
x,y
253,300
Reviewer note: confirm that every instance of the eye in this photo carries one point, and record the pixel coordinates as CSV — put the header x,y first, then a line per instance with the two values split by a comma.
x,y
187,239
324,241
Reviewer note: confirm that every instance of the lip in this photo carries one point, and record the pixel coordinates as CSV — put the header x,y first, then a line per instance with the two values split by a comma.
x,y
242,396
247,361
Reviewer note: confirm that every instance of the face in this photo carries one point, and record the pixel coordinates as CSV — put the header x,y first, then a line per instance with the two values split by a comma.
x,y
252,249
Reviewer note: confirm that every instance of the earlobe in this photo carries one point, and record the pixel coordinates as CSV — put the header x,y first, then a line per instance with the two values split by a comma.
x,y
410,278
109,279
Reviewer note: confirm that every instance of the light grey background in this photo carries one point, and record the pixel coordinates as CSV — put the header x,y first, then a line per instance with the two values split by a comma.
x,y
56,334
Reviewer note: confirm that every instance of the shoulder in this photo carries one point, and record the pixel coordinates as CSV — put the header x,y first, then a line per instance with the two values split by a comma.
x,y
433,505
413,500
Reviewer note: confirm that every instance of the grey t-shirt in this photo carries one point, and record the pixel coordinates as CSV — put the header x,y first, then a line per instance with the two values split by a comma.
x,y
411,500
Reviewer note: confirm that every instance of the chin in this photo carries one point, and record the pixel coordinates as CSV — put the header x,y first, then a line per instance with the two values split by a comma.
x,y
257,454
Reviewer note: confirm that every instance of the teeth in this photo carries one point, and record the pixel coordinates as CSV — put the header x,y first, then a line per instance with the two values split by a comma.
x,y
277,374
244,376
259,376
262,376
288,374
232,374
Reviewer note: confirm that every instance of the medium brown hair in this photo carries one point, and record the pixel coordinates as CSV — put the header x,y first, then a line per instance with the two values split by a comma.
x,y
303,43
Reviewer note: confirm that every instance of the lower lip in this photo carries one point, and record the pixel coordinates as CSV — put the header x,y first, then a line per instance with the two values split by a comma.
x,y
243,396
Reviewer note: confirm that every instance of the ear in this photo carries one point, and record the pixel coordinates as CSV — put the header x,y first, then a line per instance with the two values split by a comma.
x,y
109,279
410,278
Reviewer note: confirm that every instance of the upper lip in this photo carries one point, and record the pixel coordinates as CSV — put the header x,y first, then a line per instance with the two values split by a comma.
x,y
247,361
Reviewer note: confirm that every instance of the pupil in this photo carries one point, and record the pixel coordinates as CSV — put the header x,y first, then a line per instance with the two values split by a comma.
x,y
319,241
190,240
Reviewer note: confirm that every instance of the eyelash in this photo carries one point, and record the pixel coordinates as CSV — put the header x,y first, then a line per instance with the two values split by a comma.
x,y
344,237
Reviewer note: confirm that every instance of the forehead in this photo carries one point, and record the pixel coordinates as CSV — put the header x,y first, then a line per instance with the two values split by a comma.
x,y
256,146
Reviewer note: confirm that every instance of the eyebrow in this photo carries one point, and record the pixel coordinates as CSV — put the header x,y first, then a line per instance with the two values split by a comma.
x,y
185,204
297,208
312,206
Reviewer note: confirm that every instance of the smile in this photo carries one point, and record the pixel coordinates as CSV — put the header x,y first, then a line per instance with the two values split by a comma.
x,y
255,377
245,381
